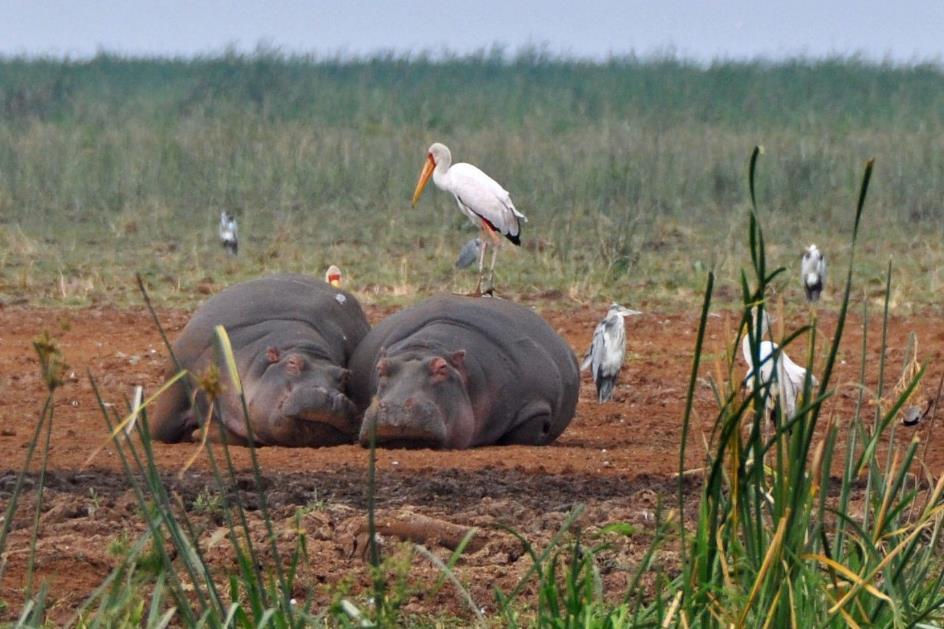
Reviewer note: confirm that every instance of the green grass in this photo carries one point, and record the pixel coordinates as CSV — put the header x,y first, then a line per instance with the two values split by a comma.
x,y
629,171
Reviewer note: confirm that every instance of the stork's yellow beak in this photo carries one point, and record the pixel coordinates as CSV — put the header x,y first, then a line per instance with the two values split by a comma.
x,y
425,174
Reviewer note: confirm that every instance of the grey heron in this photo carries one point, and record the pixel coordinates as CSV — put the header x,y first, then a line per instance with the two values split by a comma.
x,y
914,414
606,351
813,270
228,233
479,197
781,379
469,253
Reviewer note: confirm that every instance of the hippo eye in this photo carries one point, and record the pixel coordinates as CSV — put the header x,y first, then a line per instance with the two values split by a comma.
x,y
294,364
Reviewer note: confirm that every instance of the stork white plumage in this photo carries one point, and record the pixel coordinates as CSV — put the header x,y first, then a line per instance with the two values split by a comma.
x,y
229,233
607,350
781,379
813,270
479,197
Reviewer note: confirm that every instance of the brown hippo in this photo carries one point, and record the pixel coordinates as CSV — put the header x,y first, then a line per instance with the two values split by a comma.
x,y
292,336
459,372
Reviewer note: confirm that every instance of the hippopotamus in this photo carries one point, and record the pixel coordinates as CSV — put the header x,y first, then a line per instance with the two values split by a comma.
x,y
292,336
458,372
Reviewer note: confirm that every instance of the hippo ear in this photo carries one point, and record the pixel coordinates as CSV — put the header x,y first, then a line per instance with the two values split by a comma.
x,y
458,359
272,354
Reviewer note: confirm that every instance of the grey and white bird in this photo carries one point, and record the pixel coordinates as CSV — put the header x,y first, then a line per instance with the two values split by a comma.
x,y
469,253
229,237
480,198
781,379
813,270
607,350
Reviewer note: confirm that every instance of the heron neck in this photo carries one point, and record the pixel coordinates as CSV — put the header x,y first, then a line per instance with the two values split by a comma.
x,y
746,349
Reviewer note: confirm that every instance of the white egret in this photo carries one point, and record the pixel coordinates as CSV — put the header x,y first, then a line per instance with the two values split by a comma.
x,y
469,253
606,351
813,269
480,197
781,379
228,233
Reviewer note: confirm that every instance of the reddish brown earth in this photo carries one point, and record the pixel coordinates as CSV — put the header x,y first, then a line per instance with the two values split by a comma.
x,y
617,459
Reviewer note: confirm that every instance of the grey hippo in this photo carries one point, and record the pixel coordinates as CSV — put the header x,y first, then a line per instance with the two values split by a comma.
x,y
458,372
292,336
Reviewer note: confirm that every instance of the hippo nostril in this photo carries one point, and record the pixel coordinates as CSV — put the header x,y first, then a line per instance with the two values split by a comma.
x,y
546,428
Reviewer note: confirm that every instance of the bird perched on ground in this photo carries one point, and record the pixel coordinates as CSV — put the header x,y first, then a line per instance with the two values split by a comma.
x,y
469,253
480,198
606,351
781,379
914,414
333,276
813,268
228,233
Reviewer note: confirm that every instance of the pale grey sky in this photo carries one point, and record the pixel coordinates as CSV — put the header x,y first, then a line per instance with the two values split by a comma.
x,y
901,30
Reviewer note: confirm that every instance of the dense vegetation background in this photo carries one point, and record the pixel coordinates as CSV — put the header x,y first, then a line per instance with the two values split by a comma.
x,y
632,172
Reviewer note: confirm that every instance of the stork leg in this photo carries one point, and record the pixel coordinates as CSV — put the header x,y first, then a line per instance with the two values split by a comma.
x,y
496,240
478,285
491,271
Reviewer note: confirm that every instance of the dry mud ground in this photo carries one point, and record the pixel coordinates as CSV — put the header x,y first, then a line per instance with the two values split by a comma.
x,y
617,459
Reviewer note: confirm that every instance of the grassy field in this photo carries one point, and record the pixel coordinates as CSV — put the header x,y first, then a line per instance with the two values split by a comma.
x,y
632,172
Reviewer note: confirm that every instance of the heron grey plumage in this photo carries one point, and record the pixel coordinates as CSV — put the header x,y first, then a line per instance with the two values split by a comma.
x,y
229,233
607,350
469,253
813,270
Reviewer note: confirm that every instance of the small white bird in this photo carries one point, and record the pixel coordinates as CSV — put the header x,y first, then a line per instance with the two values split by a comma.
x,y
480,197
781,379
228,232
469,253
813,269
606,351
333,276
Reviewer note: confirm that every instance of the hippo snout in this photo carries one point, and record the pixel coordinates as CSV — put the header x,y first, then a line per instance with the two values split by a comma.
x,y
412,424
317,404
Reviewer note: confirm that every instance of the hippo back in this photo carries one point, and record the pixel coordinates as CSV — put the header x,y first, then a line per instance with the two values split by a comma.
x,y
295,299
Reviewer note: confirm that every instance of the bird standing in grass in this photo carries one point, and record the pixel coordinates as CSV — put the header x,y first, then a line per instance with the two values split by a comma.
x,y
781,379
606,351
480,197
469,253
333,276
228,233
813,269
